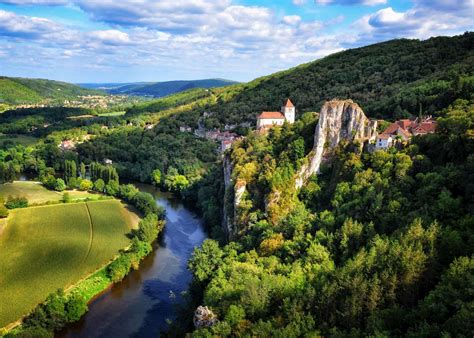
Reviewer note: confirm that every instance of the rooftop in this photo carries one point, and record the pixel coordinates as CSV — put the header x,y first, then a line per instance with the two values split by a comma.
x,y
271,115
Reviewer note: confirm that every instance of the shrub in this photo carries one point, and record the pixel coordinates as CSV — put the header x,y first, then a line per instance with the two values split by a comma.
x,y
112,188
16,202
86,185
3,210
99,185
119,268
59,185
66,197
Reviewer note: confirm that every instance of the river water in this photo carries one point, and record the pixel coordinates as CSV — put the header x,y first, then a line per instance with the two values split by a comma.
x,y
141,304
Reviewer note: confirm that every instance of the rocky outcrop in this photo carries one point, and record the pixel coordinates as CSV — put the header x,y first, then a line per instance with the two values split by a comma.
x,y
204,317
233,194
339,120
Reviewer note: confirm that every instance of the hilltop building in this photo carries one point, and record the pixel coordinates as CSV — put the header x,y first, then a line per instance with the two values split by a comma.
x,y
403,130
268,119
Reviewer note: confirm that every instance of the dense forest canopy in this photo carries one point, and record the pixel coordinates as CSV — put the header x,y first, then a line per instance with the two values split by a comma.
x,y
393,79
378,244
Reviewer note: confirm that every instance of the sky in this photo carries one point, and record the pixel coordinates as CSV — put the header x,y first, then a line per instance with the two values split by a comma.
x,y
159,40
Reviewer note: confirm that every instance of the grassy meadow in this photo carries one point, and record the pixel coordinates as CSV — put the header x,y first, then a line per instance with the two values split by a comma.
x,y
49,247
37,194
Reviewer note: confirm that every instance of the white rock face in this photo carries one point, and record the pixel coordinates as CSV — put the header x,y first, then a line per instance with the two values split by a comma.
x,y
234,191
339,120
204,317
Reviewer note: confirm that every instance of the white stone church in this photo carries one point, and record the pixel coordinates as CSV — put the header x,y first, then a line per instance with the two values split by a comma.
x,y
268,119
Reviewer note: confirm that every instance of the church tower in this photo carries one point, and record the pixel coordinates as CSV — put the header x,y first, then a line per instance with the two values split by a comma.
x,y
289,111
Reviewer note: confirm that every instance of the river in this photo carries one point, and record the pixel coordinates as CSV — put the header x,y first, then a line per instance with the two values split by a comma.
x,y
141,304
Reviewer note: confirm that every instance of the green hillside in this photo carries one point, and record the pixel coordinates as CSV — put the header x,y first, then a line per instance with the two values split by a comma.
x,y
30,91
160,89
390,79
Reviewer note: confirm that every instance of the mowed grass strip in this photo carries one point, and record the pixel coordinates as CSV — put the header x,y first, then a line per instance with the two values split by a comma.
x,y
49,247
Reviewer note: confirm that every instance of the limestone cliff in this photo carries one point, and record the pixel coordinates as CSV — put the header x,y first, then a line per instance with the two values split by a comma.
x,y
233,194
339,120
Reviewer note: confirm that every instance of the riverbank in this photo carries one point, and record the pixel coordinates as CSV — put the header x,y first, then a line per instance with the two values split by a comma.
x,y
144,302
84,290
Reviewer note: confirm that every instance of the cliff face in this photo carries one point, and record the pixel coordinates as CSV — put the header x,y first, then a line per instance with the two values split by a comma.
x,y
339,120
233,194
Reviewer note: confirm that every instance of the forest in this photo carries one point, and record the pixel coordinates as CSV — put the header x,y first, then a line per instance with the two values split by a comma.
x,y
378,244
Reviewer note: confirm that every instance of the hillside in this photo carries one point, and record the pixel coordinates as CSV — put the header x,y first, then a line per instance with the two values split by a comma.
x,y
15,91
157,89
389,80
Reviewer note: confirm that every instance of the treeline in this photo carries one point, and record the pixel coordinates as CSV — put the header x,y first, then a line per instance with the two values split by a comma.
x,y
389,80
136,152
378,244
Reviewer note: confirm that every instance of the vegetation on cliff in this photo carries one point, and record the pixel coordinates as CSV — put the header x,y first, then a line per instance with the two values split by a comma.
x,y
377,244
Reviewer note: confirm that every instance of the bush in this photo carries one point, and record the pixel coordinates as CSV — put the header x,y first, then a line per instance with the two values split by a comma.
x,y
16,202
149,228
99,185
112,188
3,210
145,203
59,185
66,197
86,185
119,268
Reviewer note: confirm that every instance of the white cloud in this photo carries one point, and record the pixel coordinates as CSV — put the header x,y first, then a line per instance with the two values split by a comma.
x,y
424,20
110,37
20,26
35,2
291,19
351,2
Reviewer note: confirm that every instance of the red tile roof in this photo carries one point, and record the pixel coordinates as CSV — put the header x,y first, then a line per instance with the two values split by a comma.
x,y
425,128
270,115
289,104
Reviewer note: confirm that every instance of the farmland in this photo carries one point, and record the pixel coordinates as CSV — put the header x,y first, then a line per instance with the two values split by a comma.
x,y
49,247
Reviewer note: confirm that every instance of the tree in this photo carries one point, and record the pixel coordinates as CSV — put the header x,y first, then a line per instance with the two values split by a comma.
x,y
156,177
86,185
99,185
83,170
59,185
112,188
76,307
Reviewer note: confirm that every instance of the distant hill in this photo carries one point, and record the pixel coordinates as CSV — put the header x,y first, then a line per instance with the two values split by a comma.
x,y
16,91
393,79
156,89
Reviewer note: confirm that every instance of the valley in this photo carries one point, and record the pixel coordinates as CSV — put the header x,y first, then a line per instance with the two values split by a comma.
x,y
331,199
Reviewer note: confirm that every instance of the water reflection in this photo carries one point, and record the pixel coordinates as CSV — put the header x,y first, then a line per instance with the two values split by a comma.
x,y
140,305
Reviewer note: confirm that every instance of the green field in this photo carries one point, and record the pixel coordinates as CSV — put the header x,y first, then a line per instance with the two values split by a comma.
x,y
17,139
115,113
37,194
48,247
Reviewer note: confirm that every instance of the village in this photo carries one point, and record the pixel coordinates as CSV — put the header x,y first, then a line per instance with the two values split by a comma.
x,y
396,134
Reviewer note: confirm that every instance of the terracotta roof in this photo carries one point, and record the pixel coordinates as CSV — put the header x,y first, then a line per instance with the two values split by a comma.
x,y
271,115
425,128
391,128
289,104
403,132
384,136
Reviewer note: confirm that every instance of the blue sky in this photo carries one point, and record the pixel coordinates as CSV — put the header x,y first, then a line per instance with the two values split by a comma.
x,y
159,40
